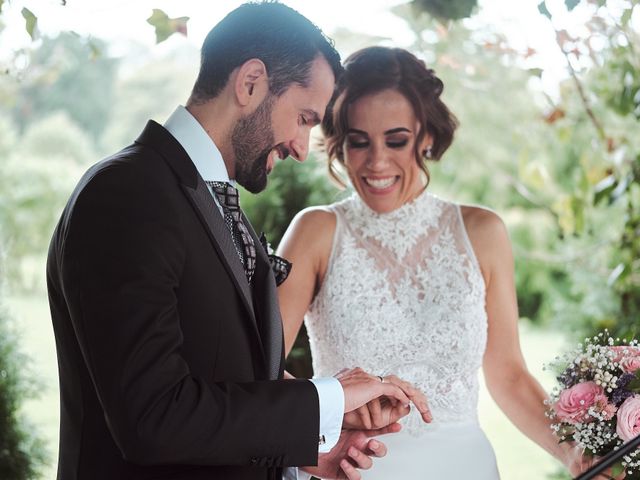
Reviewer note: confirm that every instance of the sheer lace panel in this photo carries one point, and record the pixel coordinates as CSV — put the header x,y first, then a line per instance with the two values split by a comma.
x,y
403,294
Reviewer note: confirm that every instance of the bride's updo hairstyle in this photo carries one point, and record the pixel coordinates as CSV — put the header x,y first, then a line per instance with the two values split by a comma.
x,y
372,70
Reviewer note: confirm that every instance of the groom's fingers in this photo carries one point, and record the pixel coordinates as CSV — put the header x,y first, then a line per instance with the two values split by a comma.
x,y
361,460
349,471
376,448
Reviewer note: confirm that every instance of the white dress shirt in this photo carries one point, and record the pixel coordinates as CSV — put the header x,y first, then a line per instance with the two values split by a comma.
x,y
208,161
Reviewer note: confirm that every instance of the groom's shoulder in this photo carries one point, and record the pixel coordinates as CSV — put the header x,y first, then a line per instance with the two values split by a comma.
x,y
130,173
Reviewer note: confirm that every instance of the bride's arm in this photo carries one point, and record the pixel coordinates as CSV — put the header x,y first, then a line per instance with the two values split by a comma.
x,y
307,245
509,382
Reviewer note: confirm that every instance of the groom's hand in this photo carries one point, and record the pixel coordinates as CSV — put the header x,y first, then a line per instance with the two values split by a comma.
x,y
382,408
354,450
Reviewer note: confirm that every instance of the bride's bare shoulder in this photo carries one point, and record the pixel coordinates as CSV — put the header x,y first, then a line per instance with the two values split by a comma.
x,y
481,221
311,231
487,233
315,220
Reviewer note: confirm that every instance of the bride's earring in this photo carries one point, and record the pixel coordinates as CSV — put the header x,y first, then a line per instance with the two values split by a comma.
x,y
427,153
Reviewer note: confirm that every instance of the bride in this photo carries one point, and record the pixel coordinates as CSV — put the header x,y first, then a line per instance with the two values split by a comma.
x,y
398,281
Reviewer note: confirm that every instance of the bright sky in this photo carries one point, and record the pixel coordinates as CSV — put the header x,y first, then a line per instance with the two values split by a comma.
x,y
118,20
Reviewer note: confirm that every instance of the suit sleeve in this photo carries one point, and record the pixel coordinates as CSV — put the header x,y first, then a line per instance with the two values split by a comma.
x,y
121,263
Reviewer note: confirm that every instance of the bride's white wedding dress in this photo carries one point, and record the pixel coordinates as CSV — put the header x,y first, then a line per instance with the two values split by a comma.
x,y
403,294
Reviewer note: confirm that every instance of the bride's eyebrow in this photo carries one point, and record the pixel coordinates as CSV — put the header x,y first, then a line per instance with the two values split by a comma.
x,y
397,130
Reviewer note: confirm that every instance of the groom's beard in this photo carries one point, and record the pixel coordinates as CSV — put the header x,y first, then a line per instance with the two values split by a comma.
x,y
252,140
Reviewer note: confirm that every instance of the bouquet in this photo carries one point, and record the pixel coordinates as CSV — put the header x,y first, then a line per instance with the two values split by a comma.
x,y
597,404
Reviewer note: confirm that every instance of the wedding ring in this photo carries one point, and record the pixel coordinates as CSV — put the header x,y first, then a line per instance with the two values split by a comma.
x,y
381,379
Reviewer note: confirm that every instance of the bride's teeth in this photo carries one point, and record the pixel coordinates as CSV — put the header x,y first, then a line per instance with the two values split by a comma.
x,y
383,183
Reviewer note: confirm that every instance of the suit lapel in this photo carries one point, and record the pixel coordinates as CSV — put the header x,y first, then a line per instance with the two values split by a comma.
x,y
266,301
221,238
156,137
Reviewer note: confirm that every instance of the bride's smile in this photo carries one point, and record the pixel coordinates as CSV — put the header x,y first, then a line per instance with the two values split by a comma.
x,y
380,153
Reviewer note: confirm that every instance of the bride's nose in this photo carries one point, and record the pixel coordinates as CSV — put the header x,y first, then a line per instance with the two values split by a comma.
x,y
377,158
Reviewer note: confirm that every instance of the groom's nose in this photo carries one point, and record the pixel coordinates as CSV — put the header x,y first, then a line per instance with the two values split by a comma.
x,y
299,147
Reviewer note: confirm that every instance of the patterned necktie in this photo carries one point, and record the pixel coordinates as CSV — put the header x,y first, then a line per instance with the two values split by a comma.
x,y
228,198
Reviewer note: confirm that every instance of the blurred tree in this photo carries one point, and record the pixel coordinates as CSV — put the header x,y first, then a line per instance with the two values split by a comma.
x,y
596,181
150,88
39,171
21,454
58,79
446,10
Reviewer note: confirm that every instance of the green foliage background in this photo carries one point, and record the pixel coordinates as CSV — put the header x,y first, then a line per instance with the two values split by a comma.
x,y
22,454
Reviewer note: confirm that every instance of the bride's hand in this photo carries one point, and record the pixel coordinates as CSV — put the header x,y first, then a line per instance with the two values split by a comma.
x,y
383,411
577,463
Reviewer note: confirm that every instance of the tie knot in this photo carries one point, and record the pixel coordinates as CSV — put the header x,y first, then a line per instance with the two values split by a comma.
x,y
227,195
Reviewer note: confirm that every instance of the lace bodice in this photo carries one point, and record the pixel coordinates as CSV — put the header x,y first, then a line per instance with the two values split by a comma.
x,y
403,294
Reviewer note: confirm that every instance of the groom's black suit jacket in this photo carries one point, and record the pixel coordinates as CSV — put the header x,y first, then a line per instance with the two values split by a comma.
x,y
167,357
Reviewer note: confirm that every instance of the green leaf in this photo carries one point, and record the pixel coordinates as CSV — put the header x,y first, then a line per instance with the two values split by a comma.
x,y
571,4
620,273
634,385
542,8
535,71
604,188
445,10
1,3
31,21
165,26
616,470
94,50
626,16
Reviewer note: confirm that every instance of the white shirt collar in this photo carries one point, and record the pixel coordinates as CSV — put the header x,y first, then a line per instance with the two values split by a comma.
x,y
198,144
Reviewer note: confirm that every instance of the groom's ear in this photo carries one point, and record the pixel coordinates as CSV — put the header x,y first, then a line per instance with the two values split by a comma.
x,y
251,83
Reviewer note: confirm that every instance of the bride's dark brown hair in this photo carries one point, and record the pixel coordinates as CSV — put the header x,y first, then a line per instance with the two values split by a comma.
x,y
372,70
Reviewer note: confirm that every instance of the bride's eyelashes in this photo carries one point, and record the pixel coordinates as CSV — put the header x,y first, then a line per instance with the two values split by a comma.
x,y
397,143
391,143
357,143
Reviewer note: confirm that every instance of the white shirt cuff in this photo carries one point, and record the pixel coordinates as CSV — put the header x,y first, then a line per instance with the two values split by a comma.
x,y
292,473
331,397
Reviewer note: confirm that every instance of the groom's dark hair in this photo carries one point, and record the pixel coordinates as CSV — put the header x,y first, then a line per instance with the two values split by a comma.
x,y
282,38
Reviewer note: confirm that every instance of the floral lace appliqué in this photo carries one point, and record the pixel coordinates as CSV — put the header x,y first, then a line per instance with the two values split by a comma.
x,y
404,295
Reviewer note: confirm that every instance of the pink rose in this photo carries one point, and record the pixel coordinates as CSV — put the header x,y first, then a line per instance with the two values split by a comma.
x,y
630,364
629,418
574,402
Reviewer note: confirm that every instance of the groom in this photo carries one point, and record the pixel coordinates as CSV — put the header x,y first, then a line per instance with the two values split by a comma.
x,y
163,301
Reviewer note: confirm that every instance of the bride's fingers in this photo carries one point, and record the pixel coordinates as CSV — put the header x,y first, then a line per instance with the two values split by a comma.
x,y
417,397
375,410
365,417
393,428
393,391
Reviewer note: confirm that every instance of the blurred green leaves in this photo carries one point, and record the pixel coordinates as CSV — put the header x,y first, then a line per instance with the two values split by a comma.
x,y
445,10
31,21
165,26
